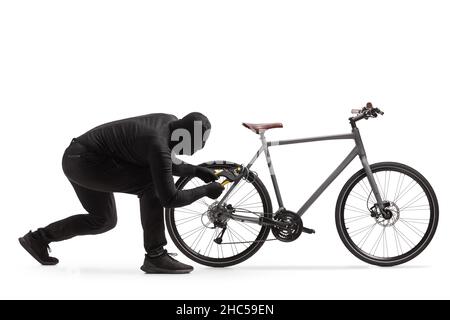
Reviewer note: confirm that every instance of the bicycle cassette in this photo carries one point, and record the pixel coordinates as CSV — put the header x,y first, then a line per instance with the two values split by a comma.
x,y
292,229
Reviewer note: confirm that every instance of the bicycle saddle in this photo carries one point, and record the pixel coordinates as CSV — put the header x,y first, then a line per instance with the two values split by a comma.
x,y
261,127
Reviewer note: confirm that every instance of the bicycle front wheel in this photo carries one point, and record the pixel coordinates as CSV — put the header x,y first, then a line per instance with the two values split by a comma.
x,y
195,228
408,228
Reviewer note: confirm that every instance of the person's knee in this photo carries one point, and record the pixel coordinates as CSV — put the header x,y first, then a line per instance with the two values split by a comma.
x,y
103,224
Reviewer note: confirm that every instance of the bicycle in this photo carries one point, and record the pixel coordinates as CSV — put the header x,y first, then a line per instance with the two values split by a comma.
x,y
376,217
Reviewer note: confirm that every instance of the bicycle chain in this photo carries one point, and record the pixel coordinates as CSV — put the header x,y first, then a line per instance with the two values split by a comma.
x,y
241,242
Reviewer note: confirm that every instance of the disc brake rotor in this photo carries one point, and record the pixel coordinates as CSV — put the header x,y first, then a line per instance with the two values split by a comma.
x,y
216,215
394,215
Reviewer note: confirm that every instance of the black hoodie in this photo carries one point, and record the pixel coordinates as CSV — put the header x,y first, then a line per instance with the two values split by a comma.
x,y
145,141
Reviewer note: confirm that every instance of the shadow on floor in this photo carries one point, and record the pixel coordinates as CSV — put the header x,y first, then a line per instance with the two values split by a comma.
x,y
98,271
315,267
130,271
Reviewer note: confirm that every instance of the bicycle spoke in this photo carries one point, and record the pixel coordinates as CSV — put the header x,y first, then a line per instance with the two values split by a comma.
x,y
414,200
259,204
408,188
357,196
236,189
369,192
247,197
363,186
238,236
388,173
385,244
401,178
187,211
235,234
405,238
217,247
357,218
355,209
232,241
358,231
366,236
250,195
419,206
397,242
198,239
211,242
414,229
221,250
252,210
248,228
186,220
191,232
423,207
377,243
417,221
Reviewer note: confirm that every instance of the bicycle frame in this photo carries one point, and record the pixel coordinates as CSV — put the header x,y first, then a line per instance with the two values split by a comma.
x,y
358,150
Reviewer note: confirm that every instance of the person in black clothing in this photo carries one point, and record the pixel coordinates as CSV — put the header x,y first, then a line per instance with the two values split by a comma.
x,y
135,156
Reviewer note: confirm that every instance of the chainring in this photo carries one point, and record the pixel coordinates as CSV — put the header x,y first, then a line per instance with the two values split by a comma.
x,y
293,228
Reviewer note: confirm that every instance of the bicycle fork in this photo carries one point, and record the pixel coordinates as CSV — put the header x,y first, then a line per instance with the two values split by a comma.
x,y
363,157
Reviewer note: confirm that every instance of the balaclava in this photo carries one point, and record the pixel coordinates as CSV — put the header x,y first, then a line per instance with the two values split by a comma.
x,y
189,134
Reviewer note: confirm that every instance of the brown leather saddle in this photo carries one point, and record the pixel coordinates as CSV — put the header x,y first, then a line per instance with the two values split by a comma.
x,y
261,127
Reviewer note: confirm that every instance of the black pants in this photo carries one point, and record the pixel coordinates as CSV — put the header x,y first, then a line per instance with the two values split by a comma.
x,y
95,177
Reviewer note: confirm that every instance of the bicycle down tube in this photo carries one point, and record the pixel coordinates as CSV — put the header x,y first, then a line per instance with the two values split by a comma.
x,y
358,150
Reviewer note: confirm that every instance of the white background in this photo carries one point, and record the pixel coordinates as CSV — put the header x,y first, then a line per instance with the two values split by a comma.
x,y
66,66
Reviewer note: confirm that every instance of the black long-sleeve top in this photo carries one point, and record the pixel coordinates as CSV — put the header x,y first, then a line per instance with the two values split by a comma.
x,y
144,141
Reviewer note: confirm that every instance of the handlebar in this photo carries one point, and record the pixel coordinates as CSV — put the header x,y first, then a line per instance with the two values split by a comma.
x,y
365,113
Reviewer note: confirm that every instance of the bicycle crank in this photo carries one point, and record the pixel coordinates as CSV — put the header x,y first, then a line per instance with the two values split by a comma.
x,y
289,226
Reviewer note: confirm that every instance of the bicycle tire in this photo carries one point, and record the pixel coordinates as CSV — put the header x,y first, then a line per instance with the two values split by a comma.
x,y
227,261
428,234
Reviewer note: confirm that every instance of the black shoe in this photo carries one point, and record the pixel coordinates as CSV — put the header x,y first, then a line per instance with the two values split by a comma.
x,y
37,248
164,263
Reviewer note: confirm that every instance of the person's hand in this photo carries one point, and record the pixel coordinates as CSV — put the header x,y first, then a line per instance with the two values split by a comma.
x,y
214,190
207,175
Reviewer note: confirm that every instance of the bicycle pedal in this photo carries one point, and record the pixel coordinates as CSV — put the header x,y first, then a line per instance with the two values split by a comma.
x,y
308,230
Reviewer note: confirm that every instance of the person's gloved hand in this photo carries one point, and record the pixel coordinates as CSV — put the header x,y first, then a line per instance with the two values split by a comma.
x,y
207,175
214,190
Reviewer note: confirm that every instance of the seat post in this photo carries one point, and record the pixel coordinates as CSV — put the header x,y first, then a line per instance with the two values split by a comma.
x,y
271,169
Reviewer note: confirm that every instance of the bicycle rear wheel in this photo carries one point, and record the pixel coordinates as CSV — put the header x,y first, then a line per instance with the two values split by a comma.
x,y
193,230
410,226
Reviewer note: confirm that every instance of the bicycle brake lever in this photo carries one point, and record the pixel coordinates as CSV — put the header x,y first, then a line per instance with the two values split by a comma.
x,y
377,110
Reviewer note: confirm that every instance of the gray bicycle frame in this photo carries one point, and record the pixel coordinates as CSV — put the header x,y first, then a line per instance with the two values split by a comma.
x,y
358,150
